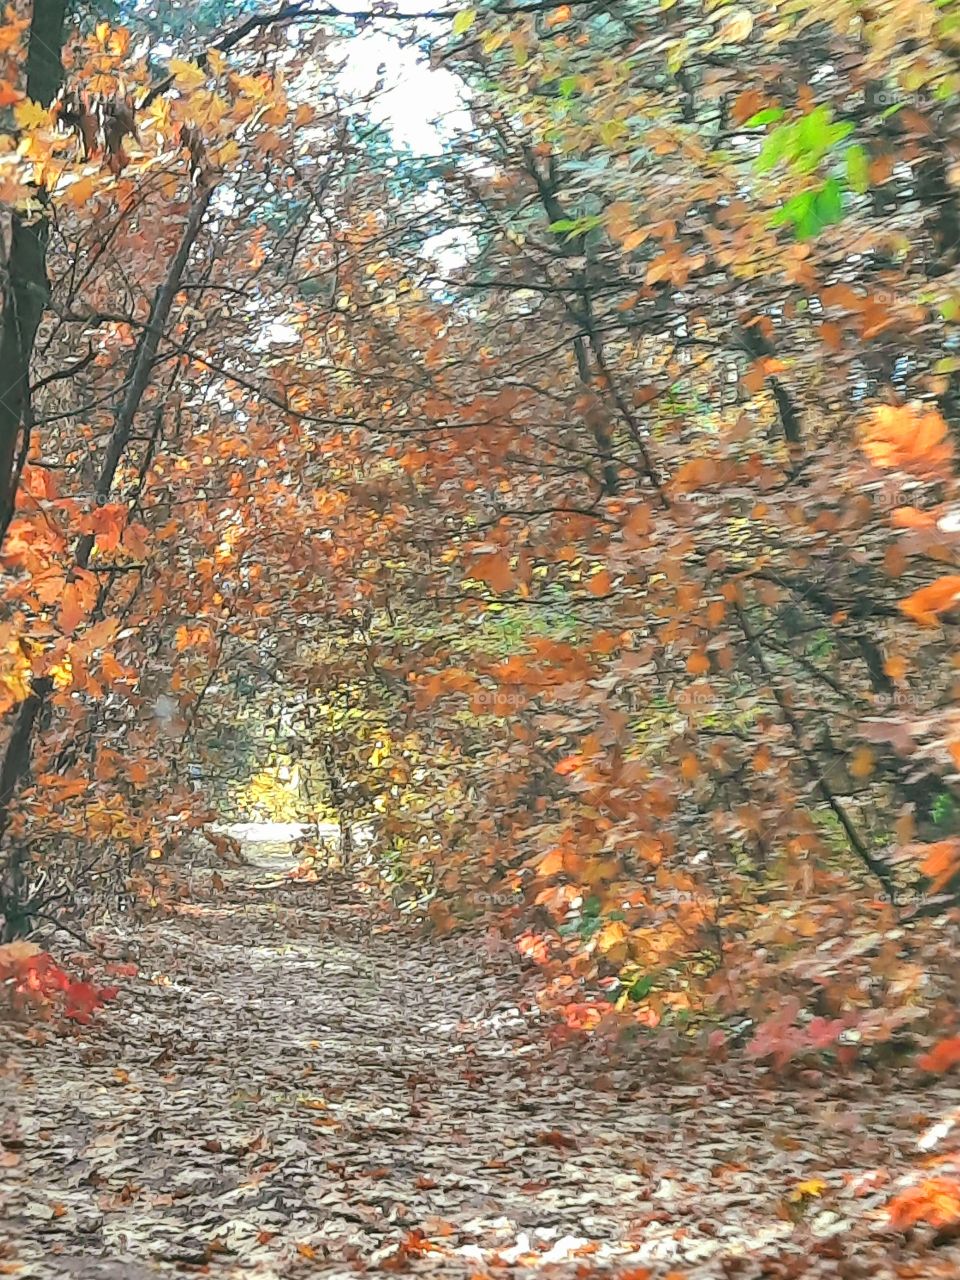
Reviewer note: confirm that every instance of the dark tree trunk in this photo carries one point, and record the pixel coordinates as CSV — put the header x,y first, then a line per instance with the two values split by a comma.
x,y
26,289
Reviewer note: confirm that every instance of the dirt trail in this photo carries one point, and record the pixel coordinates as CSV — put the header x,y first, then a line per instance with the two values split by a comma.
x,y
293,1087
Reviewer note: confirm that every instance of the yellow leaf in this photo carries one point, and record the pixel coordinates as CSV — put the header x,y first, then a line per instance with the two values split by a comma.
x,y
17,952
227,154
463,21
612,132
186,75
807,1190
611,935
30,115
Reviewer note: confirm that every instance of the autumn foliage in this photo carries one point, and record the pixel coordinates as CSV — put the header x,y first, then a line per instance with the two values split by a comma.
x,y
576,508
32,982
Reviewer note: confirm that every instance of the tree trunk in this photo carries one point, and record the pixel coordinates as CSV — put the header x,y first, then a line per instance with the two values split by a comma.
x,y
26,289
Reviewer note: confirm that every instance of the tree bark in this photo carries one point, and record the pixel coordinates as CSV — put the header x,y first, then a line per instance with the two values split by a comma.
x,y
26,289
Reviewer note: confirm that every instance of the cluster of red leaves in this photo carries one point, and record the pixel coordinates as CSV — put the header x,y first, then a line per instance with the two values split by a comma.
x,y
32,980
782,1041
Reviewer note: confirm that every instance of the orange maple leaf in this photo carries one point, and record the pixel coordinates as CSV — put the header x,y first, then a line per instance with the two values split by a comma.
x,y
935,1200
925,605
907,438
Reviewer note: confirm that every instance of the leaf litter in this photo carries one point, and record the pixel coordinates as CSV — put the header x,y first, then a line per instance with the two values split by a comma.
x,y
295,1084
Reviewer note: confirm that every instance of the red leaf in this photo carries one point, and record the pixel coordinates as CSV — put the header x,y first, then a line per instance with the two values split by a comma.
x,y
941,1057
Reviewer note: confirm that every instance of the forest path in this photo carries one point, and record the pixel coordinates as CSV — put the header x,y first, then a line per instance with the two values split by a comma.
x,y
296,1086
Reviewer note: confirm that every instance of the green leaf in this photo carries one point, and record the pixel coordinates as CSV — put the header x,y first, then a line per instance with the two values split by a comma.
x,y
641,988
568,86
829,203
768,116
815,134
943,810
794,211
772,151
577,226
814,131
842,129
811,211
858,169
463,21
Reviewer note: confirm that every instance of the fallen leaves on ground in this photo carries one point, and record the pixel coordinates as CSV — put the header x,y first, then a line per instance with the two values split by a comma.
x,y
290,1088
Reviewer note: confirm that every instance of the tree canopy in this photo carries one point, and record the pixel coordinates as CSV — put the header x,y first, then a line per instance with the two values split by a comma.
x,y
575,506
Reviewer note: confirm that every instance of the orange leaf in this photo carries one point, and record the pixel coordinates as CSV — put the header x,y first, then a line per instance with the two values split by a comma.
x,y
569,764
640,520
551,863
911,518
907,438
895,667
494,569
747,104
935,1200
941,861
924,605
942,1056
72,608
689,768
698,664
